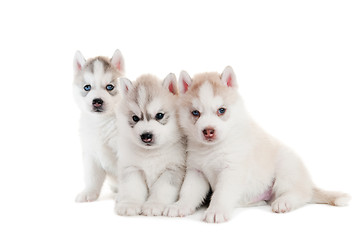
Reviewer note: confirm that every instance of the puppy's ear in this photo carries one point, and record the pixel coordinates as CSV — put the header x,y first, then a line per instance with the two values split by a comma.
x,y
78,62
229,78
117,61
170,83
184,81
125,85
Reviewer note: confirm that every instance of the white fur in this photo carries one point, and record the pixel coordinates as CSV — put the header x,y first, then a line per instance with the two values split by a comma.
x,y
97,130
150,176
241,164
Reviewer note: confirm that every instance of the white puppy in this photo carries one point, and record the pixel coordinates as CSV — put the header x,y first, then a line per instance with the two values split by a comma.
x,y
96,90
152,160
229,153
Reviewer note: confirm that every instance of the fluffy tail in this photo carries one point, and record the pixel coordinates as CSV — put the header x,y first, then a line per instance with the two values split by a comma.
x,y
329,197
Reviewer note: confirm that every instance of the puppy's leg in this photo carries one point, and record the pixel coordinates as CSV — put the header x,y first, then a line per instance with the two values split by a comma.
x,y
194,189
226,195
293,185
163,192
94,176
132,193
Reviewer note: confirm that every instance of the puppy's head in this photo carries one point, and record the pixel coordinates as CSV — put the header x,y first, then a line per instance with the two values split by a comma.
x,y
96,83
207,105
150,109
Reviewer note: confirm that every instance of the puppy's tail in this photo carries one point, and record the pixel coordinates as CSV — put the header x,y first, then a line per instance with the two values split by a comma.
x,y
330,197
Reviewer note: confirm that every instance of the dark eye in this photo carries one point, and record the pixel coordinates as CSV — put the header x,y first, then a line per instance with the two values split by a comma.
x,y
196,113
109,87
87,88
135,118
159,116
221,111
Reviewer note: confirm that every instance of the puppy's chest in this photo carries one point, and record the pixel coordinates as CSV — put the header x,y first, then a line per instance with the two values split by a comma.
x,y
210,163
100,140
152,165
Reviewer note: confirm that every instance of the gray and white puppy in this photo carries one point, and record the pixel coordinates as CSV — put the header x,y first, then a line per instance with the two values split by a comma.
x,y
96,91
151,165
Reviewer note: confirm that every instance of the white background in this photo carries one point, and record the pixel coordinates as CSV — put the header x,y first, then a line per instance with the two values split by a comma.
x,y
298,67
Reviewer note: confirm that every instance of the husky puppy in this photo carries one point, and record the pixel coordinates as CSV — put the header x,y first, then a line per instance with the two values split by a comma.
x,y
229,153
96,90
153,150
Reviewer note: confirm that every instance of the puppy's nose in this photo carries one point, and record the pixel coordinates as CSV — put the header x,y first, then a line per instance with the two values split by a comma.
x,y
209,133
97,102
146,137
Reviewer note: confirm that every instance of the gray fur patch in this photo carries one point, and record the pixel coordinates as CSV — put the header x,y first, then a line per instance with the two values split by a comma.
x,y
115,91
164,120
104,60
131,121
148,116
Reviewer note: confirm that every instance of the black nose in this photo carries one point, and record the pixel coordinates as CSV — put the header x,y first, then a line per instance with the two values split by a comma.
x,y
97,102
146,137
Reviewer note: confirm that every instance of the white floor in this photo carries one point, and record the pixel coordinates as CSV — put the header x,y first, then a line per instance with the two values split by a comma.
x,y
58,217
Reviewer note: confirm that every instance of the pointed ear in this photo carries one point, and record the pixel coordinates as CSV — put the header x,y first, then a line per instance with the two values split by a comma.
x,y
184,82
117,61
78,62
229,78
170,83
125,85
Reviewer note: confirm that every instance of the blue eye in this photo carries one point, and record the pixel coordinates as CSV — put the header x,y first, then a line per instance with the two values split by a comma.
x,y
109,87
159,116
135,118
221,111
196,113
87,88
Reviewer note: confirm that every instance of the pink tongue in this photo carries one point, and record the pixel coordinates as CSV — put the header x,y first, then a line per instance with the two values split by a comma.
x,y
147,140
97,105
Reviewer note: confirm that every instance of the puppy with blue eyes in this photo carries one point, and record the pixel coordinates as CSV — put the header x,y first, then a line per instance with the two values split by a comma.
x,y
152,160
230,154
96,91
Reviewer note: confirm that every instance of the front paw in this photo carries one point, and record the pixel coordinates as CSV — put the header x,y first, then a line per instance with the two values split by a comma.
x,y
281,205
216,216
87,196
153,209
128,208
178,210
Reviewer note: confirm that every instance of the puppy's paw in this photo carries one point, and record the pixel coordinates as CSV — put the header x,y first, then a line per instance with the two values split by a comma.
x,y
152,209
128,208
216,216
87,196
178,210
281,205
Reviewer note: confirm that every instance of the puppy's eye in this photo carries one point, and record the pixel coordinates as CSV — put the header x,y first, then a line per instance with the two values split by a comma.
x,y
135,118
159,116
196,113
87,88
221,111
109,87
